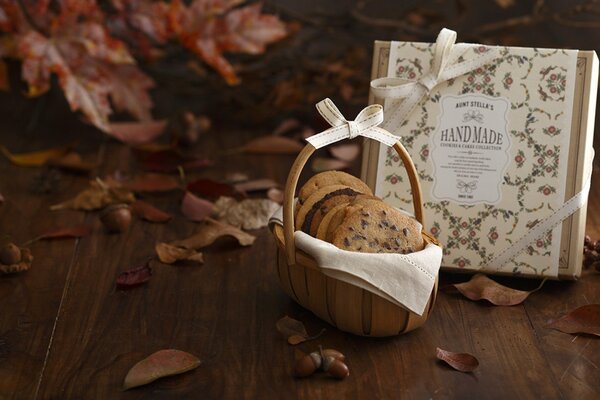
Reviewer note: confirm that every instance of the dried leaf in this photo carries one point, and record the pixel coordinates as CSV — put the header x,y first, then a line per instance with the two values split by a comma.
x,y
152,183
100,194
135,276
345,152
247,214
169,253
212,230
1,198
584,319
35,158
71,161
148,212
4,77
463,362
158,365
321,164
505,3
23,265
272,145
482,287
211,189
292,328
169,160
276,195
256,185
75,231
195,208
136,133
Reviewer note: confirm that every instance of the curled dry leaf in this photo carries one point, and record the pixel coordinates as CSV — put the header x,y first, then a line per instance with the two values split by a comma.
x,y
137,132
135,276
35,158
482,287
321,164
294,331
170,253
345,152
99,195
276,195
212,230
463,362
74,231
196,209
585,319
272,145
23,265
152,183
71,161
158,365
256,185
247,214
149,213
211,189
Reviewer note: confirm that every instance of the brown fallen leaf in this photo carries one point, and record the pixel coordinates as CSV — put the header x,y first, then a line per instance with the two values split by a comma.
x,y
482,287
345,152
212,230
276,195
247,214
321,164
23,265
71,161
169,253
74,231
294,331
137,132
463,362
135,276
196,209
272,145
584,319
151,182
149,213
255,185
100,194
35,158
1,198
168,160
211,189
158,365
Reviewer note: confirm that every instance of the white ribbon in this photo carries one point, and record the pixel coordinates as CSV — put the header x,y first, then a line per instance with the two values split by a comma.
x,y
365,125
408,93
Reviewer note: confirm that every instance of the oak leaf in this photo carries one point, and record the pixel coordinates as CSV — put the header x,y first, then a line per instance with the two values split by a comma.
x,y
584,319
99,195
158,365
463,362
481,287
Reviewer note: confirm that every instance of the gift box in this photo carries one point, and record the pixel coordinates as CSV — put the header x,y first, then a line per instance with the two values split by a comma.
x,y
502,141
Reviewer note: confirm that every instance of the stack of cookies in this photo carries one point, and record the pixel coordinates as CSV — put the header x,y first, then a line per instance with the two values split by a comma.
x,y
341,209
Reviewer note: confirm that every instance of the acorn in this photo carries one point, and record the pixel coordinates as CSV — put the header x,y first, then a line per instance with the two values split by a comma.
x,y
335,367
116,218
307,365
10,254
334,353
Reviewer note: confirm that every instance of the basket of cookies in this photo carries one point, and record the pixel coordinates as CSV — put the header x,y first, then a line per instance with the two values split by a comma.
x,y
343,253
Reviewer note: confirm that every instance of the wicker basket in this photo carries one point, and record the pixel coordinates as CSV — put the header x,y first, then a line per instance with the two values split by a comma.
x,y
347,307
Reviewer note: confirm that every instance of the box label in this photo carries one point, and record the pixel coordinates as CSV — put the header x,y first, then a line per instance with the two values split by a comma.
x,y
470,149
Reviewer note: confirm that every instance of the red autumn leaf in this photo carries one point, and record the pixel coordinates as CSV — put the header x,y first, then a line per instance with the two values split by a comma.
x,y
346,152
242,30
256,185
158,365
272,145
148,212
168,161
463,362
481,287
585,319
321,164
153,183
135,276
75,231
211,189
195,208
294,331
137,132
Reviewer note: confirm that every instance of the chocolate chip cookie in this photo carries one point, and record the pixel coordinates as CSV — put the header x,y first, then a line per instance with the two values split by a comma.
x,y
328,178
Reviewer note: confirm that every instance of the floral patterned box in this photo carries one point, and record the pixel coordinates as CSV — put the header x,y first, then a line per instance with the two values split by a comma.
x,y
500,150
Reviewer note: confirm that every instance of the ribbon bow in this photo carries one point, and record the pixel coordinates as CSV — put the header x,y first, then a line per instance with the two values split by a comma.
x,y
408,93
365,125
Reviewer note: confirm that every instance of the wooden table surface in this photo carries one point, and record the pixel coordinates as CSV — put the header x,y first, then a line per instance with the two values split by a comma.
x,y
67,333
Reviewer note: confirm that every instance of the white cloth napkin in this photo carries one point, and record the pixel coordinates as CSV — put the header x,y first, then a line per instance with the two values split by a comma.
x,y
404,279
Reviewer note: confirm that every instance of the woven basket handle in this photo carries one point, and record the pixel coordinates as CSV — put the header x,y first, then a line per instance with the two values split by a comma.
x,y
292,182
